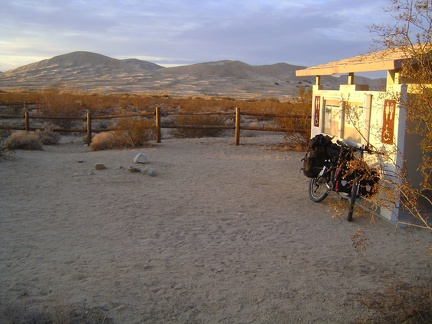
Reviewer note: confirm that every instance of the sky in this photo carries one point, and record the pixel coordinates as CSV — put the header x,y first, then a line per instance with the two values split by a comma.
x,y
177,32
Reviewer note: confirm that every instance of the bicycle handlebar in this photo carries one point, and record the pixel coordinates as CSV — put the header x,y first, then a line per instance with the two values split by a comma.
x,y
357,148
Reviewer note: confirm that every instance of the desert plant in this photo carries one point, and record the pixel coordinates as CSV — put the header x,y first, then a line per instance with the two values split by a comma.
x,y
298,127
53,102
104,141
129,132
47,135
400,302
202,123
23,140
134,132
3,149
411,33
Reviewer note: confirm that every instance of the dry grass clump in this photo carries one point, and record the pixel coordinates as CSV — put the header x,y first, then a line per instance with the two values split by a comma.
x,y
24,141
104,141
401,302
127,133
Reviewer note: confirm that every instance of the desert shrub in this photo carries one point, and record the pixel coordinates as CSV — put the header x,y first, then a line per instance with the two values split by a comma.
x,y
129,132
104,141
198,121
401,302
23,140
48,136
3,149
297,128
54,102
134,132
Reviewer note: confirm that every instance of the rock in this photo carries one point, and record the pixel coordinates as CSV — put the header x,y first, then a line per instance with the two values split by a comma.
x,y
140,158
133,169
100,166
149,171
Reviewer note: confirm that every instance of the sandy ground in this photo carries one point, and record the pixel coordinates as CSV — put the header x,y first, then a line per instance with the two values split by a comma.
x,y
222,234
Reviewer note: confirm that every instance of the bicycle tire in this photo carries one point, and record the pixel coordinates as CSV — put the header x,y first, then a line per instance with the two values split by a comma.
x,y
318,189
353,198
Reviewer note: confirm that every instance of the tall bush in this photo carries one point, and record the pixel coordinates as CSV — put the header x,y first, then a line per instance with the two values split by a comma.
x,y
298,128
198,121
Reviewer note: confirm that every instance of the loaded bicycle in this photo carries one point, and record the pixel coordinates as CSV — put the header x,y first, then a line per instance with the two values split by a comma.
x,y
339,167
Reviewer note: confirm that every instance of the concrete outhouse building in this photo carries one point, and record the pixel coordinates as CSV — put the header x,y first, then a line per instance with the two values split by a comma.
x,y
357,114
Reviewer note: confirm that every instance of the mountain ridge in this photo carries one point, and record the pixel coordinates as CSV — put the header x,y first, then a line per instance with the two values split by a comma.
x,y
83,59
90,71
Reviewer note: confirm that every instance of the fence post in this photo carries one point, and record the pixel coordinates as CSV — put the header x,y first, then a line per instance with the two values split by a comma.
x,y
237,126
158,125
27,120
88,126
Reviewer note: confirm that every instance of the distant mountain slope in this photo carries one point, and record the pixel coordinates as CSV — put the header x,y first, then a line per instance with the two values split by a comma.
x,y
95,72
83,59
234,69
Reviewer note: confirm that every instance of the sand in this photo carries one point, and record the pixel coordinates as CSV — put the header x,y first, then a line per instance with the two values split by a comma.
x,y
222,234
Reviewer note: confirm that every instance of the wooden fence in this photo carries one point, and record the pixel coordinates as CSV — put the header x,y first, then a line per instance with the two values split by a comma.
x,y
88,118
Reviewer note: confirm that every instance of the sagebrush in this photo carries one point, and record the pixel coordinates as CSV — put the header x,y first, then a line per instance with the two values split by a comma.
x,y
127,133
23,140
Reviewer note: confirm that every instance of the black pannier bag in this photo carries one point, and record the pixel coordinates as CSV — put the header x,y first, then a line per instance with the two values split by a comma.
x,y
369,183
320,148
313,162
343,179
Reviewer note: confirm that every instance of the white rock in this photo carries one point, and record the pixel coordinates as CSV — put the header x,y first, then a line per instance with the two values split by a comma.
x,y
140,158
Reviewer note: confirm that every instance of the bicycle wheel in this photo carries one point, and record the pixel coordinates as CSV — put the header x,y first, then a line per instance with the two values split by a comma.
x,y
319,189
353,198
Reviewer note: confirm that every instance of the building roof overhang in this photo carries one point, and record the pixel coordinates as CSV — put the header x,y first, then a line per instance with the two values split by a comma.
x,y
378,61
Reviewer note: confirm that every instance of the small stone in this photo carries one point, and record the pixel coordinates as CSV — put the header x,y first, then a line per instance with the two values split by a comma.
x,y
149,171
100,166
140,158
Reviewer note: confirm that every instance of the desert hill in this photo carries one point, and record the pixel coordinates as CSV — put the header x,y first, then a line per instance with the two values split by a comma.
x,y
95,72
81,59
235,69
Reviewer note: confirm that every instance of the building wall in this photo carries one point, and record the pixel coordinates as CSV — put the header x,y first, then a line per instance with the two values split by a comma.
x,y
360,116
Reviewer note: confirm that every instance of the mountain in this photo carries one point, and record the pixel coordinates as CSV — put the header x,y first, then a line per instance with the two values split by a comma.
x,y
79,60
95,72
234,69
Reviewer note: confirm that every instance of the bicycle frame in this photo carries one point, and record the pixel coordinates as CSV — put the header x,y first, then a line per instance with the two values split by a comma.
x,y
331,176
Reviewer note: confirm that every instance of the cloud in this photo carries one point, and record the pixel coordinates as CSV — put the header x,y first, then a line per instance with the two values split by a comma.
x,y
304,32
